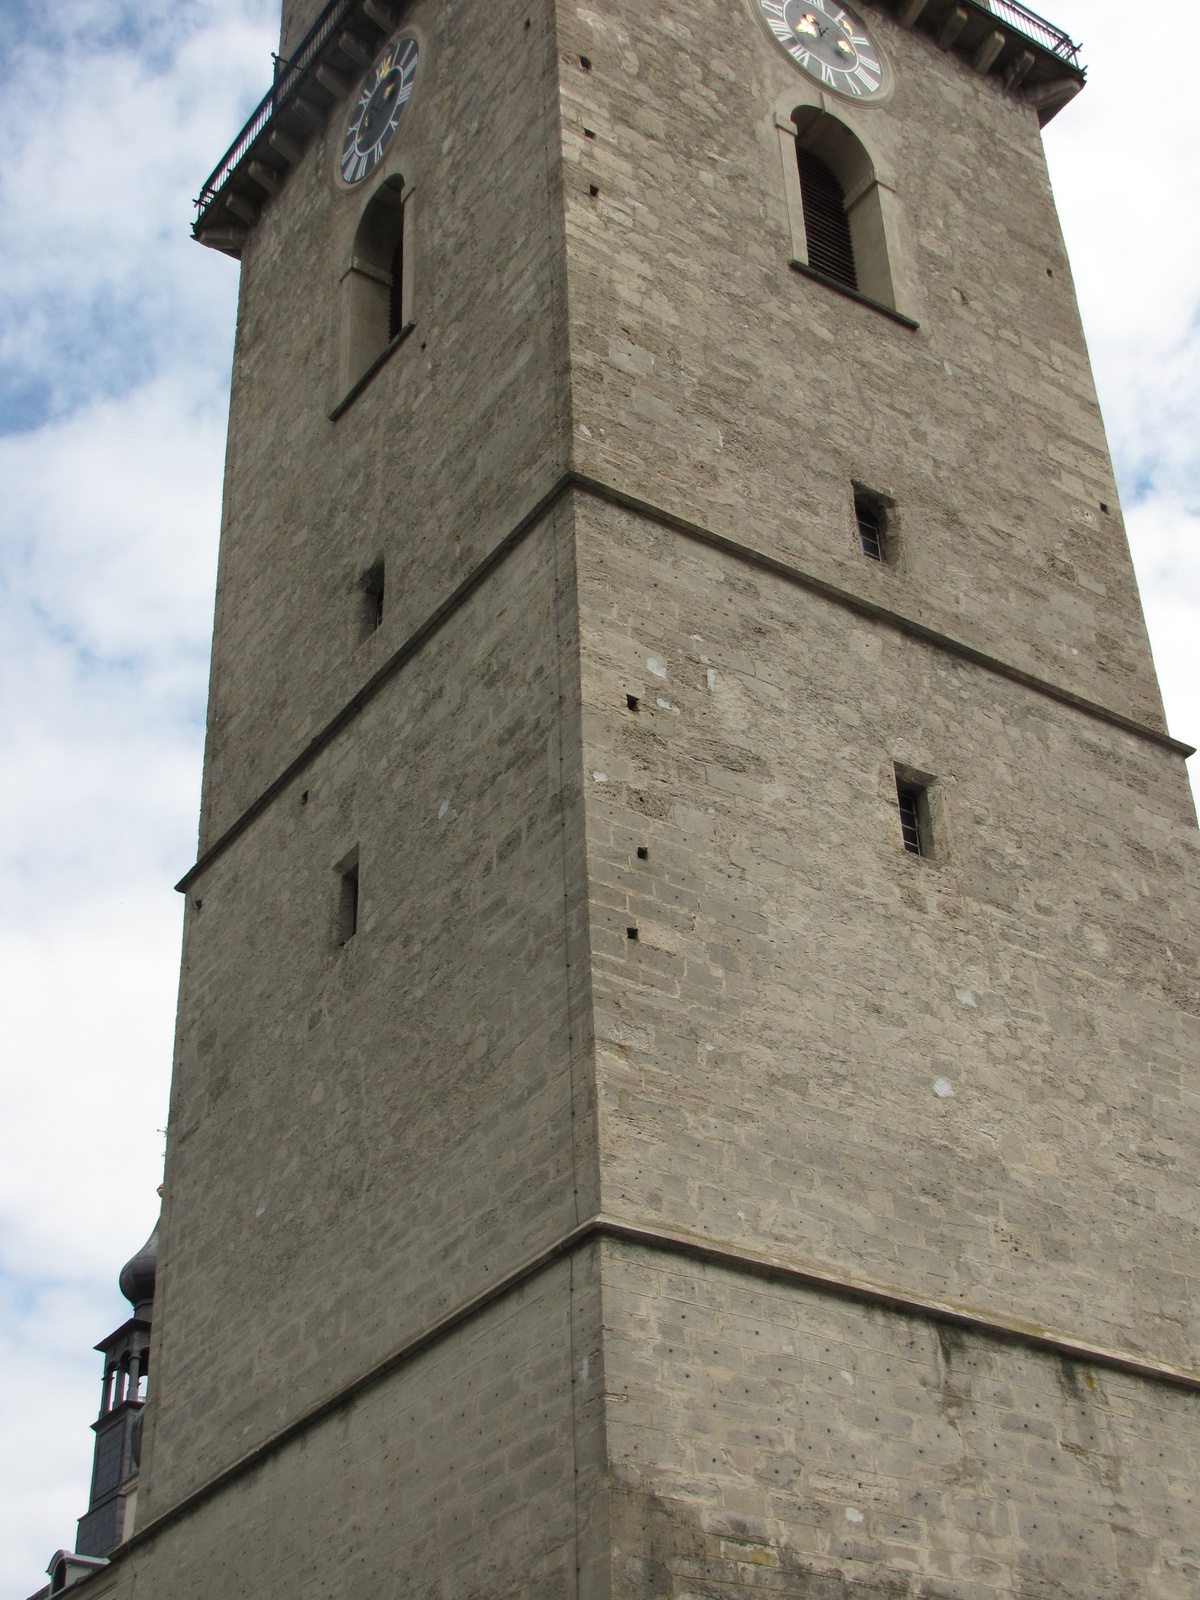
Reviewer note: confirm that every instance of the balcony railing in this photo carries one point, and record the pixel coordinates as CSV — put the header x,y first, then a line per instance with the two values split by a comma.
x,y
288,75
1036,28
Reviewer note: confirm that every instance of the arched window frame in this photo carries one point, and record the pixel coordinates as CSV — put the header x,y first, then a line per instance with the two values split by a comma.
x,y
365,342
873,208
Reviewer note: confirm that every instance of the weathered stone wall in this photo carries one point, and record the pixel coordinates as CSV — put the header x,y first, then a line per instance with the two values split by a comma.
x,y
709,378
364,1138
769,1441
452,442
772,1044
478,1469
970,1077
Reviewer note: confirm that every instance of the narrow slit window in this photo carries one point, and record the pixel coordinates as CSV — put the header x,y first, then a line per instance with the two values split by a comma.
x,y
371,594
347,910
826,225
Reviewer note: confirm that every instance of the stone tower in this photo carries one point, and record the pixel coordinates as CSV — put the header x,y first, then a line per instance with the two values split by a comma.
x,y
686,1079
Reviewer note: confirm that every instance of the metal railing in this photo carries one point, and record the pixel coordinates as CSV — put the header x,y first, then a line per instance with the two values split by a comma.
x,y
288,75
1034,27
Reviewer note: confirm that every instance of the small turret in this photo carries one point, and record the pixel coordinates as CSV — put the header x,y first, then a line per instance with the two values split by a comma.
x,y
118,1429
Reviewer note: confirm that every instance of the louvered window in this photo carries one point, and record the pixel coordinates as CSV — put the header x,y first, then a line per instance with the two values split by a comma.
x,y
830,249
396,295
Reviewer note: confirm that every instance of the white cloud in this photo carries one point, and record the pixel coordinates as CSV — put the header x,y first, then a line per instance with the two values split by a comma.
x,y
114,349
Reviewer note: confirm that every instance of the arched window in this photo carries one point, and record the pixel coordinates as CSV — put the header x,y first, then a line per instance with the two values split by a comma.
x,y
376,287
841,211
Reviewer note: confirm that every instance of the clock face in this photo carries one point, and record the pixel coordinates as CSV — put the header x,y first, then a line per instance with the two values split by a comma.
x,y
376,113
829,43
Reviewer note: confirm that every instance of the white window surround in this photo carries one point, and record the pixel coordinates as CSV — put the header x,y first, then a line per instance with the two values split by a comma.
x,y
832,131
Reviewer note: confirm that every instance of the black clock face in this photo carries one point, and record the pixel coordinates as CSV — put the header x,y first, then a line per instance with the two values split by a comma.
x,y
829,43
376,113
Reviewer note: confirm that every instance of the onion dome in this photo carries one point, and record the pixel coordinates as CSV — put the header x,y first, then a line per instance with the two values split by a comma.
x,y
137,1277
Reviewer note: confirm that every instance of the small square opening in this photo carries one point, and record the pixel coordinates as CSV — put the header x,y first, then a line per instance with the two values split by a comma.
x,y
632,701
643,853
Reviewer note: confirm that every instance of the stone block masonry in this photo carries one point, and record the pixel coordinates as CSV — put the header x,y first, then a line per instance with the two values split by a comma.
x,y
675,1189
764,1441
920,1070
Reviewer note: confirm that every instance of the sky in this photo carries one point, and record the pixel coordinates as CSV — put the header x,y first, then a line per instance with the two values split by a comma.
x,y
115,341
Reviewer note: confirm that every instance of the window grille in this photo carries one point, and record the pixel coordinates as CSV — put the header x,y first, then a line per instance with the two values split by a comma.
x,y
910,821
830,248
916,823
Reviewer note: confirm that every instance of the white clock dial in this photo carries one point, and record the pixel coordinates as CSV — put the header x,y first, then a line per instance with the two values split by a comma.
x,y
829,43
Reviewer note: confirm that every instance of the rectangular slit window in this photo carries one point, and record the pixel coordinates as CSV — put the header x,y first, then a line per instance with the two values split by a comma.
x,y
371,589
347,910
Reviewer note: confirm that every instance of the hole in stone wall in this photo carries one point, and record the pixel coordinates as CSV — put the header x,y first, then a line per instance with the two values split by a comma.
x,y
643,853
632,701
585,63
631,933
